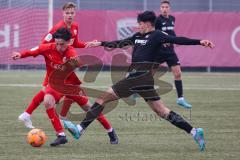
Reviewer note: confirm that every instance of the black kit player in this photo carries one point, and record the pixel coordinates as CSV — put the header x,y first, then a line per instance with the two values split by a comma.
x,y
166,23
140,79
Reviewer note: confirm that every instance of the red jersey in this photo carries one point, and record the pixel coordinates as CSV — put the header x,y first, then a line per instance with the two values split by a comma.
x,y
73,41
54,60
74,31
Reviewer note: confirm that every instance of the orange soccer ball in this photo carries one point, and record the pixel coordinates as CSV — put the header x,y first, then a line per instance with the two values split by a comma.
x,y
36,137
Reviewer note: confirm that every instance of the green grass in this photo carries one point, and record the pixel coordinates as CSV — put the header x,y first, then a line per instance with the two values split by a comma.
x,y
216,108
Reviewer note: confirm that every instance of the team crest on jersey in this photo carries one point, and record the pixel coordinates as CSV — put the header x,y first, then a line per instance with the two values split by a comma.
x,y
126,27
75,31
147,36
71,41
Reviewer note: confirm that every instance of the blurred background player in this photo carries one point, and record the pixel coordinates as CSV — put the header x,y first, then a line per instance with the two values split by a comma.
x,y
166,22
69,12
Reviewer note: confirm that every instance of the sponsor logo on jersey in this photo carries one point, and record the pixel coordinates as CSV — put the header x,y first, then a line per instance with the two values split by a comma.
x,y
140,41
167,28
57,66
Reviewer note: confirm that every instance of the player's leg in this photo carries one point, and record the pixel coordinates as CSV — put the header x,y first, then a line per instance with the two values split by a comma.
x,y
161,110
84,103
92,114
173,63
50,99
67,102
25,117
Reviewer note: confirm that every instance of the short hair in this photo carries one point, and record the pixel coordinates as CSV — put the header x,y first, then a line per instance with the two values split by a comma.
x,y
147,16
63,33
165,1
69,5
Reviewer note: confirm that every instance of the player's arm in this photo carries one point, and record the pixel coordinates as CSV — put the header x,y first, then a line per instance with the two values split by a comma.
x,y
49,37
32,52
78,44
73,58
113,44
163,38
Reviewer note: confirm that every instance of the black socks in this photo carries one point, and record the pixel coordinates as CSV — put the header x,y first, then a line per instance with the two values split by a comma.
x,y
179,122
92,114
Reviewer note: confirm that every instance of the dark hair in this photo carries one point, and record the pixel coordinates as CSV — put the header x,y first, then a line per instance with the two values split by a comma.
x,y
165,1
63,33
147,16
69,5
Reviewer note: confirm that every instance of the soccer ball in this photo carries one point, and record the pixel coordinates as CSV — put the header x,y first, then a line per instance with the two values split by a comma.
x,y
36,137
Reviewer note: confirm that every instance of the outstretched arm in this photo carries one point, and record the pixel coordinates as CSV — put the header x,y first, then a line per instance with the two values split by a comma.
x,y
184,41
33,52
112,44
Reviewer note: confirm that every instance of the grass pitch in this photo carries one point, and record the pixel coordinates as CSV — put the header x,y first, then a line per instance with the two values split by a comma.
x,y
216,108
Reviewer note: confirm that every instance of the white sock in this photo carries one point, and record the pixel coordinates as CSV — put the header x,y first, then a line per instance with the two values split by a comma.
x,y
61,134
62,118
79,127
26,115
193,132
110,130
180,98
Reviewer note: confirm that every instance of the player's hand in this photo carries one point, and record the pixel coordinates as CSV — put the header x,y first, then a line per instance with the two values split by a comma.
x,y
94,43
16,55
74,61
207,43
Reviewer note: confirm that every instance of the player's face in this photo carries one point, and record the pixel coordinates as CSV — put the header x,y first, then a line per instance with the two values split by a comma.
x,y
61,45
68,15
165,9
142,27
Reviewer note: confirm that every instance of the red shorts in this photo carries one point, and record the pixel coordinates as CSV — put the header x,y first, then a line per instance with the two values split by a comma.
x,y
57,96
81,100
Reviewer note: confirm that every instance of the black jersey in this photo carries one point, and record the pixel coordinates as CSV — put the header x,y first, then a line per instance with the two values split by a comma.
x,y
166,24
146,46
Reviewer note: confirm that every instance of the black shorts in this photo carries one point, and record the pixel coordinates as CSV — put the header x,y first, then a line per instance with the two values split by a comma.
x,y
142,84
170,57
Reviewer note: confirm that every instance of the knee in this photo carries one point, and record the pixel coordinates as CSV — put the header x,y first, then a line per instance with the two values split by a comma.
x,y
100,101
49,101
177,75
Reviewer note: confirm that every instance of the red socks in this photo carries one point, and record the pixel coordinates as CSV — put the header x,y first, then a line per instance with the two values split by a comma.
x,y
51,112
102,119
82,100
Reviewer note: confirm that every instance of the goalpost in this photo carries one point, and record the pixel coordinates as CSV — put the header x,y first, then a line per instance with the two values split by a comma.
x,y
50,14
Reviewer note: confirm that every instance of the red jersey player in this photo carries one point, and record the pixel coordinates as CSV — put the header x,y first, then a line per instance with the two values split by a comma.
x,y
54,54
67,22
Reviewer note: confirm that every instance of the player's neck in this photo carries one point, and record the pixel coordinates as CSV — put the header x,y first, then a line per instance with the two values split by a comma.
x,y
166,16
68,24
150,29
